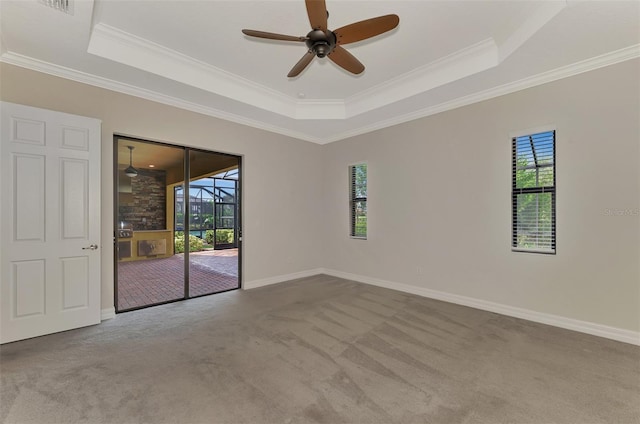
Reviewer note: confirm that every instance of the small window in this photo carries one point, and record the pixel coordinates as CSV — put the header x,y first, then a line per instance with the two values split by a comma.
x,y
358,200
533,199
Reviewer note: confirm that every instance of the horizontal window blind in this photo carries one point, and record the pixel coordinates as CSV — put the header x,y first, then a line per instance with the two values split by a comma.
x,y
358,200
534,192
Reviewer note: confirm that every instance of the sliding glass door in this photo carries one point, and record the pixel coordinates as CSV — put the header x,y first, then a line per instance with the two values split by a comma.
x,y
148,270
212,220
177,223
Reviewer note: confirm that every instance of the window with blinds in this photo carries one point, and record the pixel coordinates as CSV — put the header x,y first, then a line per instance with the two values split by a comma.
x,y
533,199
358,200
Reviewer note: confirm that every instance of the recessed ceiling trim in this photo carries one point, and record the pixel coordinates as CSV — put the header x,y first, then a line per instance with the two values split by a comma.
x,y
471,60
119,46
22,61
465,62
607,59
122,47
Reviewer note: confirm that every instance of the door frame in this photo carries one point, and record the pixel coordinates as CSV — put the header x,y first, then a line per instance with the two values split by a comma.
x,y
186,150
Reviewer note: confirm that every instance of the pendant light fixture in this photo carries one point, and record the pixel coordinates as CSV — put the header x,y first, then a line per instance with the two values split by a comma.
x,y
131,171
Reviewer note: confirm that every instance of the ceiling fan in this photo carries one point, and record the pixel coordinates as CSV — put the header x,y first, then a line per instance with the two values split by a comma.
x,y
323,42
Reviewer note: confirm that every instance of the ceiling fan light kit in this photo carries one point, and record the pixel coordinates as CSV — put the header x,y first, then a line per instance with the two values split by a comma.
x,y
322,42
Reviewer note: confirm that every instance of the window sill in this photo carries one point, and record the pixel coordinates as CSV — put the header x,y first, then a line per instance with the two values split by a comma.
x,y
524,250
357,238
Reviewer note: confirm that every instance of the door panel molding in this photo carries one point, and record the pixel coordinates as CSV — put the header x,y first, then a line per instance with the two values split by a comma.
x,y
50,186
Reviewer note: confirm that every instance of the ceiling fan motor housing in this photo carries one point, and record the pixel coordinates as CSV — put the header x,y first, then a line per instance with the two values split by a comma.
x,y
321,43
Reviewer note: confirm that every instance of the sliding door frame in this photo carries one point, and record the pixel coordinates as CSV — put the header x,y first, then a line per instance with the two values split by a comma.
x,y
186,185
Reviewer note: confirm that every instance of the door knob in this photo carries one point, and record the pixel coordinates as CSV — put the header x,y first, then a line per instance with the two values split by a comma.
x,y
92,247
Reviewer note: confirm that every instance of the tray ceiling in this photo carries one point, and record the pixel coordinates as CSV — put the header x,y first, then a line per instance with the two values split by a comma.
x,y
192,54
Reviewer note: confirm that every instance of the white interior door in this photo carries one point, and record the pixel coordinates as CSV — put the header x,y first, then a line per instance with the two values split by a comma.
x,y
49,222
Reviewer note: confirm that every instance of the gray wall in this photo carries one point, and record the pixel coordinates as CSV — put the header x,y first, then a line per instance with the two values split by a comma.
x,y
440,192
274,219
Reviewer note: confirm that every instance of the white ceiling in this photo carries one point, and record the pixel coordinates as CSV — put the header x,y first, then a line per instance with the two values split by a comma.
x,y
192,54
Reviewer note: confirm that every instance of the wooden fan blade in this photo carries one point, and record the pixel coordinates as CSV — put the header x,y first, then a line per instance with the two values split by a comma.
x,y
346,60
317,11
366,29
271,35
302,63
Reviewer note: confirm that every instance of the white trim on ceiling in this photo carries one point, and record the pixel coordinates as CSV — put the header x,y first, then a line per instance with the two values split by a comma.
x,y
119,46
463,63
611,58
471,60
106,83
122,47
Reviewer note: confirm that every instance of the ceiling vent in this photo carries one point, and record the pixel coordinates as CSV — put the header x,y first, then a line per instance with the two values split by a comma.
x,y
65,6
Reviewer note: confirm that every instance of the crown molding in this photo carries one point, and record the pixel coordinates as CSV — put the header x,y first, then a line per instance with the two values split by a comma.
x,y
16,59
122,47
611,58
463,63
607,59
119,46
128,49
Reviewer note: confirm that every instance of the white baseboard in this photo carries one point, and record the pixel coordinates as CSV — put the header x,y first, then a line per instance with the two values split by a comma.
x,y
621,335
248,285
107,313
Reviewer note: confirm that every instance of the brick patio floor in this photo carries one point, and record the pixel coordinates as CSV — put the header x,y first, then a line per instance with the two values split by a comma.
x,y
151,281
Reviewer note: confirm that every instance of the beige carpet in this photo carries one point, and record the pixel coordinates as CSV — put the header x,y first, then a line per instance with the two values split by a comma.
x,y
319,350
